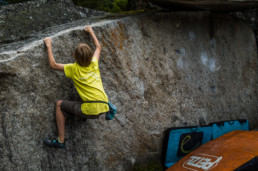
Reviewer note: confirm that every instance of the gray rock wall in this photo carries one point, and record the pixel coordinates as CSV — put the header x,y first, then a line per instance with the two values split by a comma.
x,y
24,20
161,70
250,17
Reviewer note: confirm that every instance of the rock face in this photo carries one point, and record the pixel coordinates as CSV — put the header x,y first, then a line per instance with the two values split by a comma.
x,y
161,70
225,5
22,21
250,17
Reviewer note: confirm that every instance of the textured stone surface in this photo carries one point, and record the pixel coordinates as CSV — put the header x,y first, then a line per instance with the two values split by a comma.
x,y
225,5
250,17
161,70
22,21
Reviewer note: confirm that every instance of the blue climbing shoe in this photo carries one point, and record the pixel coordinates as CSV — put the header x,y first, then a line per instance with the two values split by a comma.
x,y
53,142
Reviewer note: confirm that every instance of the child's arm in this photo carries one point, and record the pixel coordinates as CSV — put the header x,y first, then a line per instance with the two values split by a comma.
x,y
96,41
51,59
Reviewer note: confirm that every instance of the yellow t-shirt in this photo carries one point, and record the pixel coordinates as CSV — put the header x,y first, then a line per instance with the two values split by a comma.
x,y
88,84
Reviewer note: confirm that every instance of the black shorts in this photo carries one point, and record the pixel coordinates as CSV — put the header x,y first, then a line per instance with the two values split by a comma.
x,y
74,108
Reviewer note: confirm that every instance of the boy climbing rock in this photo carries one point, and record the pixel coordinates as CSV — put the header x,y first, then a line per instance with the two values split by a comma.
x,y
87,81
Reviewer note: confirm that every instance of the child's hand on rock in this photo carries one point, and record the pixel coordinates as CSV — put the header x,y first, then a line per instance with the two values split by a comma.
x,y
48,41
88,29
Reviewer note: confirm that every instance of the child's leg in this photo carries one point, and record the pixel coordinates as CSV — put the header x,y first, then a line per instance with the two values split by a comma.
x,y
60,121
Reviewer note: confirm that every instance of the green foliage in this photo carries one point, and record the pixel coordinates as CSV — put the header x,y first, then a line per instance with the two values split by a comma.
x,y
120,5
112,6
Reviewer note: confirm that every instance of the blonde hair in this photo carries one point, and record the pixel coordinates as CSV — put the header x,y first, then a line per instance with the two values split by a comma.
x,y
83,54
